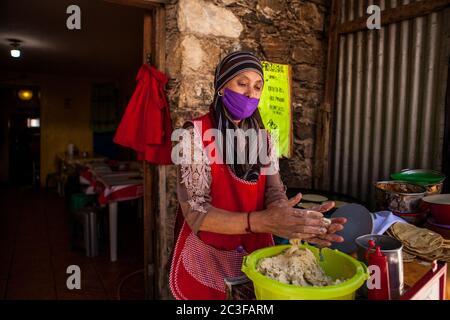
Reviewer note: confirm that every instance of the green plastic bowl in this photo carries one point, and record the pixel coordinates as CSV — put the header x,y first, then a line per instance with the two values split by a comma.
x,y
335,264
421,177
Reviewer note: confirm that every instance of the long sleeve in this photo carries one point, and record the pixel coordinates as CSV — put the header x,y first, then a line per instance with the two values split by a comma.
x,y
275,190
194,181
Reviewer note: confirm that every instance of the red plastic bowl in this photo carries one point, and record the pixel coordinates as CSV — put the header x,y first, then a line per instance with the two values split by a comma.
x,y
413,218
439,207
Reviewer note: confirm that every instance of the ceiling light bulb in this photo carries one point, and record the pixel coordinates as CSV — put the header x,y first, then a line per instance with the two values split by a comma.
x,y
15,53
25,95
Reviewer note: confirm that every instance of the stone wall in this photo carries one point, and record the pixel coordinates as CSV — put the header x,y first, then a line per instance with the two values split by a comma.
x,y
201,32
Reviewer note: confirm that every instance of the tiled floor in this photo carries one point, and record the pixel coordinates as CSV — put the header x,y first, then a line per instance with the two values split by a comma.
x,y
35,251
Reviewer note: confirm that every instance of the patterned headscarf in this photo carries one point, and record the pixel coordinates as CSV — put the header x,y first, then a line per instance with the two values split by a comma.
x,y
230,66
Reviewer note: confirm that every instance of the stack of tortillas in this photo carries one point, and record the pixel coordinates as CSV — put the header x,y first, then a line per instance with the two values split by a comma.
x,y
420,242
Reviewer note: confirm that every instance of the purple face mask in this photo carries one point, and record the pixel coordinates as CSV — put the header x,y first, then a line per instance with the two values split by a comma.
x,y
239,106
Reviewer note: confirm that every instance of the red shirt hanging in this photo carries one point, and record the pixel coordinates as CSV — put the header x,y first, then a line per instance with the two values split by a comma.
x,y
146,125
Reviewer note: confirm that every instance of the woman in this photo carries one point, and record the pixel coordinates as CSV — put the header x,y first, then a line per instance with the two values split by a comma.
x,y
229,210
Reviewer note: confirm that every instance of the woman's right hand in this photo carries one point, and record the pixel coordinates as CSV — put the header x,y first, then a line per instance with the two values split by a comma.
x,y
289,223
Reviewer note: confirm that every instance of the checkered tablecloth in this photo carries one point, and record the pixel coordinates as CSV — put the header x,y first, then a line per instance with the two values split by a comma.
x,y
112,186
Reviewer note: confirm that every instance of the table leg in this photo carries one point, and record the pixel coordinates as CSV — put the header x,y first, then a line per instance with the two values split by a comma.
x,y
140,207
113,231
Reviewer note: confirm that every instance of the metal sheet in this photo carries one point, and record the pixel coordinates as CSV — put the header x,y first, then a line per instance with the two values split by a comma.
x,y
390,99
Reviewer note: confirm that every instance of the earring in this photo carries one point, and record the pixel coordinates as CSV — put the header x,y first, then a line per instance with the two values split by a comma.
x,y
220,95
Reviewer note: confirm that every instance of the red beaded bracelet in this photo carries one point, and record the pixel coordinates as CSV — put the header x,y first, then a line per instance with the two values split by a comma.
x,y
248,229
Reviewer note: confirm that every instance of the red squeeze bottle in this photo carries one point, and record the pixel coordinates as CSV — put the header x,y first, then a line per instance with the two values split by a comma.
x,y
379,259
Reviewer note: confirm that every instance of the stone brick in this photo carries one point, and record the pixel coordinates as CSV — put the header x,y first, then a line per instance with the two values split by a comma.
x,y
304,130
302,54
308,54
304,149
307,114
203,17
302,169
311,16
193,56
303,72
270,8
275,48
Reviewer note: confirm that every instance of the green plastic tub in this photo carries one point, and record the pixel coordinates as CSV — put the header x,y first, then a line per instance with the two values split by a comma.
x,y
335,264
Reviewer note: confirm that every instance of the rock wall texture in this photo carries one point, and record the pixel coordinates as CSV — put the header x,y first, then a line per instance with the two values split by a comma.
x,y
200,32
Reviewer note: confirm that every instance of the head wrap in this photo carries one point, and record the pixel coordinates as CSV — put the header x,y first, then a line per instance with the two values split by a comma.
x,y
230,66
233,64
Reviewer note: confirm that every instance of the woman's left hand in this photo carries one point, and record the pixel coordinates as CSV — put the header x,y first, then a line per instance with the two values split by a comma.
x,y
292,202
324,207
337,224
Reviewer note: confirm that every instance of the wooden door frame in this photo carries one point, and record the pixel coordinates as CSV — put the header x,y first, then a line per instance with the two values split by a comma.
x,y
325,112
446,147
145,4
154,220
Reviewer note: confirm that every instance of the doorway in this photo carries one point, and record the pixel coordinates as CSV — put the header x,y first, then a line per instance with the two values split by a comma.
x,y
65,68
156,255
20,138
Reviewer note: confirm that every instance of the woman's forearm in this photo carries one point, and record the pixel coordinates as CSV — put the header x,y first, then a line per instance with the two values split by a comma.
x,y
227,222
284,222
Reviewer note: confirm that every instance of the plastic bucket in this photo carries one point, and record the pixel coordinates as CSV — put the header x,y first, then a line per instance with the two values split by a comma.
x,y
335,264
81,200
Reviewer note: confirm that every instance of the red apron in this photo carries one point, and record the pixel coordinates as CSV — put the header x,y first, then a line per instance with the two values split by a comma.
x,y
200,263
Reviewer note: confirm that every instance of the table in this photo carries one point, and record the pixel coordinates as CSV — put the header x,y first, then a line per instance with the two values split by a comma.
x,y
70,166
413,271
112,187
79,160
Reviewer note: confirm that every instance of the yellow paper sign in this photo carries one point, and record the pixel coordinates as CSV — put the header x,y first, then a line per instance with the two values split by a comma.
x,y
275,105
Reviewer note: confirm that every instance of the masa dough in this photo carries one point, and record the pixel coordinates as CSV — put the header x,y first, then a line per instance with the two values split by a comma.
x,y
298,267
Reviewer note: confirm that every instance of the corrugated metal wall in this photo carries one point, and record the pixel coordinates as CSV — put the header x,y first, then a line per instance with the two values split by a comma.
x,y
390,100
